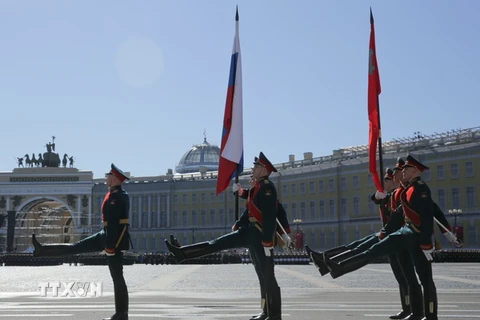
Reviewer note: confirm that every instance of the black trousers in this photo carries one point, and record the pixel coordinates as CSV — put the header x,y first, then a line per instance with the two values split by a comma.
x,y
406,240
115,264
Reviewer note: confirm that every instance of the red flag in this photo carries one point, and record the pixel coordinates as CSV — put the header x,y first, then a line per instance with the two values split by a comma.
x,y
374,91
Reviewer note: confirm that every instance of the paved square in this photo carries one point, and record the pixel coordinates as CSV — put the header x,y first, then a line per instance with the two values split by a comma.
x,y
230,292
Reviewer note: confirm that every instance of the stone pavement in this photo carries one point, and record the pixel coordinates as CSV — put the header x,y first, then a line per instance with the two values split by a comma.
x,y
228,292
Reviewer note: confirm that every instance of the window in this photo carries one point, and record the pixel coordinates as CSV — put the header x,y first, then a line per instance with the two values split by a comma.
x,y
345,236
212,196
356,207
371,208
369,180
454,170
343,206
302,211
321,186
332,239
331,208
321,205
322,240
175,198
294,189
355,182
194,217
145,220
426,175
203,217
284,190
343,184
153,244
194,198
312,187
312,210
212,217
175,219
469,169
203,198
331,185
302,188
294,210
441,199
231,215
440,173
455,198
221,217
154,219
184,218
470,197
184,198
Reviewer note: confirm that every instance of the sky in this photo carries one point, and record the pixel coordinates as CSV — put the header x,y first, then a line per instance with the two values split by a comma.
x,y
138,83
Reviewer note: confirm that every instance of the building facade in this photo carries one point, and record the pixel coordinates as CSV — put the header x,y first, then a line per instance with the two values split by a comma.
x,y
328,197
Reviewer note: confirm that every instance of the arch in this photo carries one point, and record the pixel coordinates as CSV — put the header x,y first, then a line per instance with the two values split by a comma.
x,y
31,202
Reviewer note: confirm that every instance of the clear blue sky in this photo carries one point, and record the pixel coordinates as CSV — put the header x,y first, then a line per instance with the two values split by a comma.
x,y
137,82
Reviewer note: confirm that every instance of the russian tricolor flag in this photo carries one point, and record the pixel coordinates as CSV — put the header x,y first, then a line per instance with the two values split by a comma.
x,y
231,148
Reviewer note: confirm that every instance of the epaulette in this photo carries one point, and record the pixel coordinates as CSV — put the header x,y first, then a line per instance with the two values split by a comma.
x,y
420,182
114,191
266,181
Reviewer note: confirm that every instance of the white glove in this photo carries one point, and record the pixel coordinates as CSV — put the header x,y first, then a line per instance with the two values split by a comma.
x,y
288,242
428,254
236,187
450,237
380,195
268,251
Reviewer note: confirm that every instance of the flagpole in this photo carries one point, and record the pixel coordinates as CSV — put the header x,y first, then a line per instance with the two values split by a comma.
x,y
237,173
380,149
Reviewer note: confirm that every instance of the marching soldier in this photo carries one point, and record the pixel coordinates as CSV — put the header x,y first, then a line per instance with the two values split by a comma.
x,y
113,239
415,236
256,260
257,233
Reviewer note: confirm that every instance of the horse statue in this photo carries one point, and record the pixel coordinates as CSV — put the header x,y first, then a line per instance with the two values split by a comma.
x,y
65,160
34,161
28,162
71,161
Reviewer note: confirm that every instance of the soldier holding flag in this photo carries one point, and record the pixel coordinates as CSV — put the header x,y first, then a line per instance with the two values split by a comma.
x,y
255,230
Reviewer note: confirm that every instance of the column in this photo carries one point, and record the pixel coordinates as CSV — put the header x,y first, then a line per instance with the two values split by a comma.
x,y
149,211
90,213
158,209
167,209
78,215
139,212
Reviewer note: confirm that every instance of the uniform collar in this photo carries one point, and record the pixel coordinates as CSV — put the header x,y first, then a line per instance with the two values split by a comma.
x,y
115,187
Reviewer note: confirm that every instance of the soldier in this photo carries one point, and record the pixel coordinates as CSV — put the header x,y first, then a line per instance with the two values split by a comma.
x,y
256,260
415,236
257,233
113,239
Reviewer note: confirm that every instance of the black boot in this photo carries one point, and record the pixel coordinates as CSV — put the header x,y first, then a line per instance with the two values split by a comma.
x,y
51,250
174,241
317,258
274,305
118,316
346,266
189,252
335,251
405,299
260,316
414,317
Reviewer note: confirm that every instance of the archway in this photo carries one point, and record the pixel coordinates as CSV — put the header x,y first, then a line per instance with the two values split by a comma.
x,y
50,219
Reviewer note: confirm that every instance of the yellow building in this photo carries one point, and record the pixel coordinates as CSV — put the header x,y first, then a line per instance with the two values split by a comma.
x,y
329,194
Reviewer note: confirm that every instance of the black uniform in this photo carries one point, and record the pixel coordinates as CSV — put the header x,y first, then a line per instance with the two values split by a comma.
x,y
113,238
416,235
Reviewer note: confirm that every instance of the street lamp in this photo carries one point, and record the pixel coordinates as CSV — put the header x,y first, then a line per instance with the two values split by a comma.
x,y
193,228
455,213
298,236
